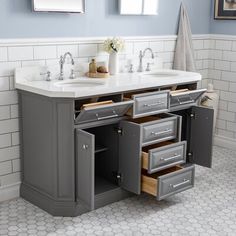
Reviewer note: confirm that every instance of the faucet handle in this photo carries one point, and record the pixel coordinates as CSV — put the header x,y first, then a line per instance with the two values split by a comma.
x,y
48,77
140,53
148,68
72,74
131,68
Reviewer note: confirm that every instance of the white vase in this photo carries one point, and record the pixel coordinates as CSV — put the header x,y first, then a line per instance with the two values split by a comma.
x,y
113,63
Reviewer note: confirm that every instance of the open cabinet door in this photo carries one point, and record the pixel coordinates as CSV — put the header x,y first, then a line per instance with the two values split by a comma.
x,y
201,136
130,156
85,146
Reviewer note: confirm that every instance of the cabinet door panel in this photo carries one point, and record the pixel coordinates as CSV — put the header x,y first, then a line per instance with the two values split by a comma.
x,y
201,136
130,156
85,143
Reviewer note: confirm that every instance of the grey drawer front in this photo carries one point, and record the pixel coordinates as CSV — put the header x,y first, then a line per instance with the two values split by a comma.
x,y
160,131
167,156
151,103
175,182
186,98
103,112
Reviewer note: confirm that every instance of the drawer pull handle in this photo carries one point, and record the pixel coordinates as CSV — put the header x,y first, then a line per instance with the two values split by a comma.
x,y
186,102
171,158
161,132
154,104
107,117
180,184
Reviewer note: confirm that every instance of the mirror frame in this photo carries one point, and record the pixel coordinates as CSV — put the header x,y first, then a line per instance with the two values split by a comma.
x,y
35,10
136,14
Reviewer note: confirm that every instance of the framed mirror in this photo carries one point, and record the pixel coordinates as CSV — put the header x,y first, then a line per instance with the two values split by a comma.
x,y
138,7
75,6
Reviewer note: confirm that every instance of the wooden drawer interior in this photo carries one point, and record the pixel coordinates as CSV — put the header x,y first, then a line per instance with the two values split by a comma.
x,y
150,181
145,154
179,91
96,101
131,94
192,86
147,119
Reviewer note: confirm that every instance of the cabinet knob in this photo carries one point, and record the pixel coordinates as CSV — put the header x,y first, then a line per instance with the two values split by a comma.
x,y
85,146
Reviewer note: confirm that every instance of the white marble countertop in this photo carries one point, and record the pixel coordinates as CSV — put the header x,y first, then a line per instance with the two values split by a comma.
x,y
25,80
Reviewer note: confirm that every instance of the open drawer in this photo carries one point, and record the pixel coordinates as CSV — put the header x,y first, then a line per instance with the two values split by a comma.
x,y
159,128
102,111
148,103
185,98
168,182
162,156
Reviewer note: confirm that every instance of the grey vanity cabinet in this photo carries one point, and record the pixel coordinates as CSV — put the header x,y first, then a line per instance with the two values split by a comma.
x,y
75,160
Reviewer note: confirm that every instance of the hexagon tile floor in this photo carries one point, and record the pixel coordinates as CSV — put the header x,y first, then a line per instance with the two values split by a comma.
x,y
207,209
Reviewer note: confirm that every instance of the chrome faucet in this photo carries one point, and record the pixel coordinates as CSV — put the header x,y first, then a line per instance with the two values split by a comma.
x,y
141,56
62,62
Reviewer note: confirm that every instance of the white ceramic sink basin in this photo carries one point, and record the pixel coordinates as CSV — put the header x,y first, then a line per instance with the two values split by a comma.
x,y
88,83
160,74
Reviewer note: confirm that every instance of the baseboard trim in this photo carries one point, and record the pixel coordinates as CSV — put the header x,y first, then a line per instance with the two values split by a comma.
x,y
225,142
9,192
53,207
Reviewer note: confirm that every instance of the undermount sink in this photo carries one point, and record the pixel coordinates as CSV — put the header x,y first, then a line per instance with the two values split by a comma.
x,y
80,83
160,74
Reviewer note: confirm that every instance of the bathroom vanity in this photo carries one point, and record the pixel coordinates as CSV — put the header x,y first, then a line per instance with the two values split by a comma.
x,y
86,147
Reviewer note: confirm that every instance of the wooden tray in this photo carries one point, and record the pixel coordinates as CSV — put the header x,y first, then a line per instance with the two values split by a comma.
x,y
98,75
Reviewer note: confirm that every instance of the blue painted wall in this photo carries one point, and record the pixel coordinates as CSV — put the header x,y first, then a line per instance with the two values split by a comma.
x,y
221,26
101,19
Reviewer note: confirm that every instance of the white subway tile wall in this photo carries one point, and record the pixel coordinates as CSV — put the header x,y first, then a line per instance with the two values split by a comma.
x,y
214,61
222,74
3,53
20,53
45,52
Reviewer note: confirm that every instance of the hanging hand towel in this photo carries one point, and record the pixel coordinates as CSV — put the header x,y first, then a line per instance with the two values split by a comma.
x,y
184,54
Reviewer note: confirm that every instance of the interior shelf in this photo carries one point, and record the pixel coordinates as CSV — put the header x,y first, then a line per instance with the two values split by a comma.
x,y
102,185
99,148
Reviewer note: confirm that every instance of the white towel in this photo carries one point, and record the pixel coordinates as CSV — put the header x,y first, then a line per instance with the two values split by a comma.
x,y
184,54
